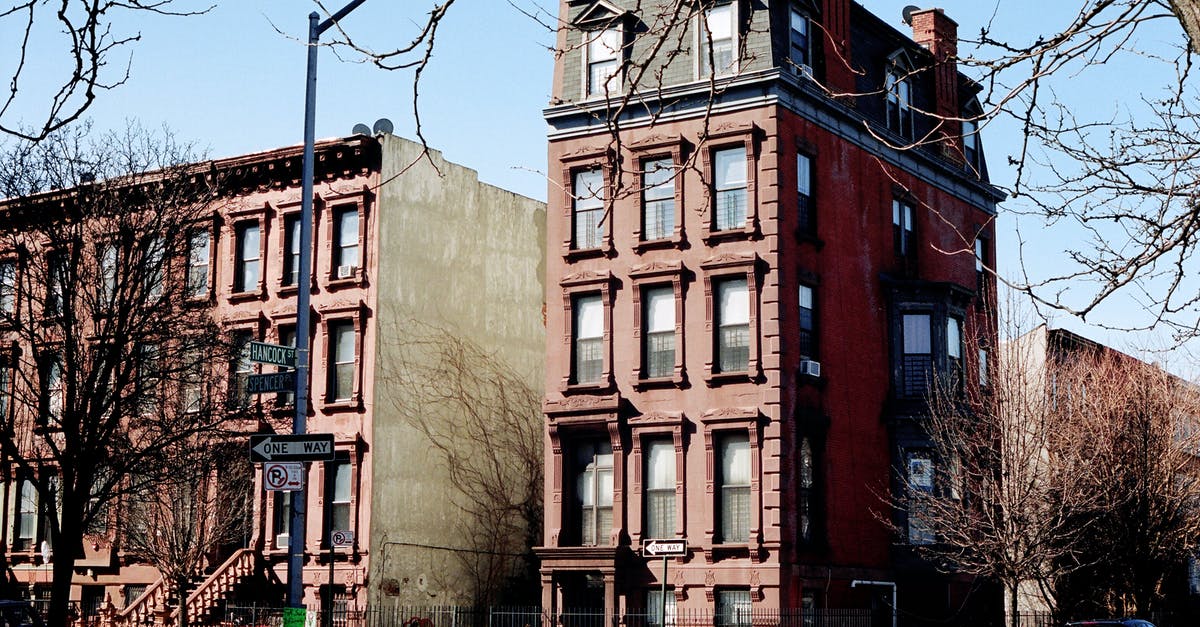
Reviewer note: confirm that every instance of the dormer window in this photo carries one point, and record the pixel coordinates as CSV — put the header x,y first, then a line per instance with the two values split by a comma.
x,y
604,62
800,51
899,101
717,46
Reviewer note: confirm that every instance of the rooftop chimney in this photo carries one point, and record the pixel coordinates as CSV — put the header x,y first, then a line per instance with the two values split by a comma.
x,y
939,34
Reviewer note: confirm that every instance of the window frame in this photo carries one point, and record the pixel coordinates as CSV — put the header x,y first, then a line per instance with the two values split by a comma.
x,y
812,329
748,137
715,424
705,40
353,319
325,230
595,36
569,420
602,537
238,286
195,292
345,457
660,426
573,286
282,222
58,273
581,204
898,97
657,148
587,158
806,203
805,68
715,270
904,228
916,536
650,276
10,289
284,400
237,394
337,249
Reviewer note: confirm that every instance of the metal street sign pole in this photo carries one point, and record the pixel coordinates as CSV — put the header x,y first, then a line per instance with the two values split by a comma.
x,y
666,549
299,500
662,606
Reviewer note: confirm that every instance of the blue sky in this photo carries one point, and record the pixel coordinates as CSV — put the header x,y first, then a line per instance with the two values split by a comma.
x,y
232,84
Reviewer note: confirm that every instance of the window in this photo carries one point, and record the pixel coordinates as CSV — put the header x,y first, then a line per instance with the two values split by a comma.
x,y
903,237
192,392
980,260
970,138
954,353
659,486
806,492
149,369
291,250
656,614
287,337
594,492
52,388
152,268
920,483
899,103
716,42
588,349
801,52
588,191
983,368
56,267
246,265
283,519
25,523
917,363
733,608
804,202
729,188
658,199
808,323
341,360
8,288
658,349
345,243
5,385
107,254
133,592
199,253
338,497
734,488
733,326
603,51
240,369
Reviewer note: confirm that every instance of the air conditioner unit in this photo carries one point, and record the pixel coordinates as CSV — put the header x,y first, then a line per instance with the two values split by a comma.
x,y
346,272
810,368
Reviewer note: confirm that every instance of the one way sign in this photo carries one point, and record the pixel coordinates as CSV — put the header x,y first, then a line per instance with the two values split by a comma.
x,y
306,447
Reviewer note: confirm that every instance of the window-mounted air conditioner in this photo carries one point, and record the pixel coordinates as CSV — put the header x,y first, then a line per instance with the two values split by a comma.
x,y
810,368
346,272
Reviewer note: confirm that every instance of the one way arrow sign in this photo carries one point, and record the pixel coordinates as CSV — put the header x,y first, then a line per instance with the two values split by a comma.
x,y
306,447
664,548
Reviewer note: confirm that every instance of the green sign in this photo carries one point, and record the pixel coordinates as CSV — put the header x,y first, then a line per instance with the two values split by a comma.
x,y
294,616
264,353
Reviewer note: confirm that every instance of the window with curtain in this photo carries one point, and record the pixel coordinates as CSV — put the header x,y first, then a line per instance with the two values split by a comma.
x,y
659,487
733,326
659,331
199,254
917,362
729,188
345,244
341,360
604,62
594,492
734,488
717,47
588,348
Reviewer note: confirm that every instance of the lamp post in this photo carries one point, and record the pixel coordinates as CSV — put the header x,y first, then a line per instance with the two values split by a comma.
x,y
296,539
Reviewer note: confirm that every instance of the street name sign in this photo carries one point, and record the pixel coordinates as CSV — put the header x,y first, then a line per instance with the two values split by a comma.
x,y
306,447
271,382
264,353
676,547
283,476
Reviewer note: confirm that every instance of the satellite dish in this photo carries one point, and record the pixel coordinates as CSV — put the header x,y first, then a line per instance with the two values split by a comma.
x,y
383,125
361,129
907,12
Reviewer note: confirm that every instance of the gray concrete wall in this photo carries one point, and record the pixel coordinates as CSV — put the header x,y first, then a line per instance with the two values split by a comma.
x,y
460,257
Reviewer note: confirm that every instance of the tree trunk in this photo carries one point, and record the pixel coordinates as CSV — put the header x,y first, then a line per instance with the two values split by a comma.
x,y
62,571
181,590
1188,12
1014,619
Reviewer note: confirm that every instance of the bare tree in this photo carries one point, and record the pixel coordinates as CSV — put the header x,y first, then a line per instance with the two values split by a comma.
x,y
180,525
88,38
1071,480
108,351
485,424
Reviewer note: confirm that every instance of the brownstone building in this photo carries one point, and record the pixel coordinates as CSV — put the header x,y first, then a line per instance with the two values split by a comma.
x,y
767,230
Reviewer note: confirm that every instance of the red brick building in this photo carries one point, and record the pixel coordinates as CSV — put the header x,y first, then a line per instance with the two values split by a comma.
x,y
751,281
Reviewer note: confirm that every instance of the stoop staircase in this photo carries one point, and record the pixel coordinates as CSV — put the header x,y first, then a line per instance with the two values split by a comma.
x,y
200,603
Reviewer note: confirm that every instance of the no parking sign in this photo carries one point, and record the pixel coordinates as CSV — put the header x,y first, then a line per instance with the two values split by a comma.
x,y
283,476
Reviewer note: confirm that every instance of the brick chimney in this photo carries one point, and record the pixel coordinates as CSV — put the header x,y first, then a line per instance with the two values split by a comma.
x,y
939,34
835,20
